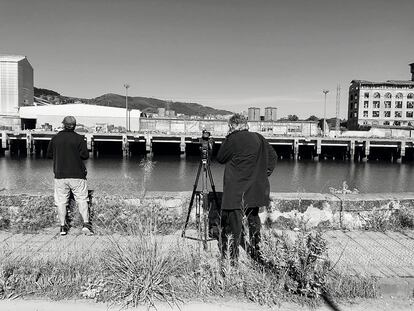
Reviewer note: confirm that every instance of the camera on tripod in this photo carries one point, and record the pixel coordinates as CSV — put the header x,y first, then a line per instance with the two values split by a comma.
x,y
201,197
206,144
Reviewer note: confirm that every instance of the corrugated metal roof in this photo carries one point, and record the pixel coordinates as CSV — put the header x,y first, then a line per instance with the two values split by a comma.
x,y
11,58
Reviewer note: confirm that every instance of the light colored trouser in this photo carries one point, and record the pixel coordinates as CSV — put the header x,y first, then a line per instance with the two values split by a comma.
x,y
79,189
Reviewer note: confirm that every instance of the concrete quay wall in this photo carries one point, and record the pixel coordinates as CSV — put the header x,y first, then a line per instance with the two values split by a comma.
x,y
287,210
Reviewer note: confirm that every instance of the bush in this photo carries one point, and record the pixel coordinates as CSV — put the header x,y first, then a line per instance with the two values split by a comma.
x,y
303,265
4,218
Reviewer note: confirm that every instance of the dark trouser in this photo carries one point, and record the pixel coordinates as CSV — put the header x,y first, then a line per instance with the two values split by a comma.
x,y
232,228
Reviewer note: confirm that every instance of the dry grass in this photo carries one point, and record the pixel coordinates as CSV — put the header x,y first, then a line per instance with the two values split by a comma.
x,y
140,269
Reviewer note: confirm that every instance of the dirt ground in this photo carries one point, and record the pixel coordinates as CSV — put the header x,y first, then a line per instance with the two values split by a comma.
x,y
387,304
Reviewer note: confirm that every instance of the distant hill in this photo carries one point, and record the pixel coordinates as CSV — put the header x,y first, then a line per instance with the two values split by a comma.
x,y
145,104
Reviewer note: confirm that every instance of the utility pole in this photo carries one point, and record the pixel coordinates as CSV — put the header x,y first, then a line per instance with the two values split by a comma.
x,y
324,113
338,104
126,86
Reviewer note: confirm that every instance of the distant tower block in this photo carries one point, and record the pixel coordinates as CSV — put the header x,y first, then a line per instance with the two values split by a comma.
x,y
412,71
16,84
253,114
161,112
270,114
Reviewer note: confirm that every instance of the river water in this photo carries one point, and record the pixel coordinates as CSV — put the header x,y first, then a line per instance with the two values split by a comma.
x,y
171,173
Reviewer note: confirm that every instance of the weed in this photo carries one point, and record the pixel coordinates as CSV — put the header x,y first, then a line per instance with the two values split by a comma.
x,y
34,215
404,217
139,271
344,286
148,166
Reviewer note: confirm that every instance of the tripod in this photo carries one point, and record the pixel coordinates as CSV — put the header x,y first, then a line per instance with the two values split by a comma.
x,y
202,206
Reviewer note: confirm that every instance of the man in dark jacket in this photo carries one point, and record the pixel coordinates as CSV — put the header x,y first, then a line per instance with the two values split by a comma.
x,y
249,160
68,150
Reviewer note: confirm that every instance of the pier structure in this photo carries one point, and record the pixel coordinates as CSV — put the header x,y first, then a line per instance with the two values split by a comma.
x,y
294,147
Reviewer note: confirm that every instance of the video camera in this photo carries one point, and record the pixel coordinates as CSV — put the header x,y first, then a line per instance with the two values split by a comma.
x,y
206,144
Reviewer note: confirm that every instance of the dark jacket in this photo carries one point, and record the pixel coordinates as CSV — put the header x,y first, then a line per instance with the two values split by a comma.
x,y
249,160
68,149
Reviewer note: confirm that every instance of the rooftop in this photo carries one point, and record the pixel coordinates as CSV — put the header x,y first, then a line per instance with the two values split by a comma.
x,y
11,58
387,83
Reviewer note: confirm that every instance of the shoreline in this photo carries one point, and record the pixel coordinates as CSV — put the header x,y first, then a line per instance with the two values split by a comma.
x,y
338,211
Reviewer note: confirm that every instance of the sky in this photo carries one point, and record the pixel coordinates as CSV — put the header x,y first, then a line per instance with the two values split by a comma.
x,y
227,54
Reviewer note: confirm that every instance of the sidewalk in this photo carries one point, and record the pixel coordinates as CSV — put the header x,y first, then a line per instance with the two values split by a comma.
x,y
218,305
388,256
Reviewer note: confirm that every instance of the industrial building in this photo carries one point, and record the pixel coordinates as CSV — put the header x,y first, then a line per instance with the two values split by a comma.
x,y
389,103
16,89
90,118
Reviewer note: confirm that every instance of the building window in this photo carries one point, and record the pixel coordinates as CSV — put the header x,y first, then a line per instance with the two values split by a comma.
x,y
388,95
365,114
397,123
386,123
377,95
355,114
387,104
356,106
410,104
409,114
376,104
350,115
399,95
356,96
375,114
366,95
398,104
410,95
351,97
398,114
387,114
366,105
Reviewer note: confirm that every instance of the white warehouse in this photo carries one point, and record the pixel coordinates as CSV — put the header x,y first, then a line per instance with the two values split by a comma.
x,y
89,117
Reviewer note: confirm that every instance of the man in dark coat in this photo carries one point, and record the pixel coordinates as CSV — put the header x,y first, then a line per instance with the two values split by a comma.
x,y
249,160
68,150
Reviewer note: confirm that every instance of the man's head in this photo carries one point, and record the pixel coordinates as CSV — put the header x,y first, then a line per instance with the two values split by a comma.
x,y
69,123
238,122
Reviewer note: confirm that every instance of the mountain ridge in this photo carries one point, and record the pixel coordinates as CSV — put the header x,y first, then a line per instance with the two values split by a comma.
x,y
145,104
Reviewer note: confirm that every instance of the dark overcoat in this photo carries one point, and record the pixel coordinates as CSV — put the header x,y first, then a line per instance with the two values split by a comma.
x,y
249,160
68,149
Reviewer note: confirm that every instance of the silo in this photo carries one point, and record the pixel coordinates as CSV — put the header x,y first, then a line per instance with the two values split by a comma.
x,y
253,114
270,114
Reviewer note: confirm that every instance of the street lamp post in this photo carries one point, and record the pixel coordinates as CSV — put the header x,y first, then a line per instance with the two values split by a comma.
x,y
324,113
126,85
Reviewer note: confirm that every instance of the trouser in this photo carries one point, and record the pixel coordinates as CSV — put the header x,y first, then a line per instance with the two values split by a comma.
x,y
233,233
79,188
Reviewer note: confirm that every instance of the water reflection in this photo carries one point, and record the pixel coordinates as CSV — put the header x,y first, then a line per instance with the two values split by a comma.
x,y
171,173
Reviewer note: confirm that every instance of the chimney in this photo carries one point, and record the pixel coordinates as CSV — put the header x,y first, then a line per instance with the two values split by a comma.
x,y
412,71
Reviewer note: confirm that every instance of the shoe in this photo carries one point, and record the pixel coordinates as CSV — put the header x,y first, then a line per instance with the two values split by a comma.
x,y
87,229
63,230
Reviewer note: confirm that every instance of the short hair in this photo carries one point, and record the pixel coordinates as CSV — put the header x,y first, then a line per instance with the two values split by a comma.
x,y
238,122
69,122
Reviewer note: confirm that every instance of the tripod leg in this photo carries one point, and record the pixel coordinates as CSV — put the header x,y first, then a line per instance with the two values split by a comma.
x,y
213,187
204,228
192,199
